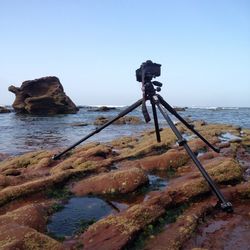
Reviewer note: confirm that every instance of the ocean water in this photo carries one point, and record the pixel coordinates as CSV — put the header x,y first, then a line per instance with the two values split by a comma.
x,y
24,133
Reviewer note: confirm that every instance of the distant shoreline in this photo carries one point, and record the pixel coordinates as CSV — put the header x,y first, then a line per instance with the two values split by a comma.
x,y
121,106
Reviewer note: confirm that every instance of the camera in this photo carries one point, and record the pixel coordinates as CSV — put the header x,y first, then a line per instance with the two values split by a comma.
x,y
147,71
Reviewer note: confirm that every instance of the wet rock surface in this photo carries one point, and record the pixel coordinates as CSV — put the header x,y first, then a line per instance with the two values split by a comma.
x,y
127,194
101,120
42,96
102,109
224,231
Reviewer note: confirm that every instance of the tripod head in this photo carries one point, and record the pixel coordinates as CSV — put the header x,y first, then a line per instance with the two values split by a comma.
x,y
151,87
149,90
147,71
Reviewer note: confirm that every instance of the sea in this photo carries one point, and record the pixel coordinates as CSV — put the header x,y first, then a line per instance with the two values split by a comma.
x,y
25,133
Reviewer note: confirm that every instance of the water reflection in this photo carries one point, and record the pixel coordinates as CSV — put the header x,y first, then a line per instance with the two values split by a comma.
x,y
22,133
77,215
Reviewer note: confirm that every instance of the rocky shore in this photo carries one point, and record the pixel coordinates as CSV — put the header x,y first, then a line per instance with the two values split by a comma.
x,y
144,194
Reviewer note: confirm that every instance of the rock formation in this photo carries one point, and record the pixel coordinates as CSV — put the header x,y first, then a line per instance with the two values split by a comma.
x,y
181,215
42,96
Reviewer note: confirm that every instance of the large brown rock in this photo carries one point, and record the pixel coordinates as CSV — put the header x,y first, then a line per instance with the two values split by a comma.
x,y
23,228
32,215
42,96
115,182
172,159
15,236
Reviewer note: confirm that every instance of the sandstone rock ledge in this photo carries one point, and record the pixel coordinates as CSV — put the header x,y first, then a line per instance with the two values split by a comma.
x,y
124,166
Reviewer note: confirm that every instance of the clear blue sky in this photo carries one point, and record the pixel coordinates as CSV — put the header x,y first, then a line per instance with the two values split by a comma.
x,y
95,46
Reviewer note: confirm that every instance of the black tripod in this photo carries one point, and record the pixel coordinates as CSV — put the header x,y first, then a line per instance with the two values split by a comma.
x,y
149,93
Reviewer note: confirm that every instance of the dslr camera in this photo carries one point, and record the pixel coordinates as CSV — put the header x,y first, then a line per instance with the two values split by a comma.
x,y
147,71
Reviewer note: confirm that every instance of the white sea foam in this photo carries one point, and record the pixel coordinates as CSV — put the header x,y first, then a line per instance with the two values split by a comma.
x,y
106,105
235,108
214,108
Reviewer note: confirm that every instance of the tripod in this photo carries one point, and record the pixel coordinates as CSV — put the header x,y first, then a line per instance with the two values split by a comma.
x,y
149,93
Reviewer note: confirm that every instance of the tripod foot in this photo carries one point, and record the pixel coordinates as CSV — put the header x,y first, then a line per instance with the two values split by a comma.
x,y
55,157
226,206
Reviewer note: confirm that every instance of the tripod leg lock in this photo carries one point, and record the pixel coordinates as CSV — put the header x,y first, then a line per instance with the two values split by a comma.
x,y
181,142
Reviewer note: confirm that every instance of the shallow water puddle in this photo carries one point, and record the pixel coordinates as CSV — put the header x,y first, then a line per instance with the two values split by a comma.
x,y
157,182
114,166
188,137
78,214
200,152
228,137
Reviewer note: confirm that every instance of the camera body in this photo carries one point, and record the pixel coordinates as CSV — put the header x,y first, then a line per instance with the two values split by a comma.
x,y
147,71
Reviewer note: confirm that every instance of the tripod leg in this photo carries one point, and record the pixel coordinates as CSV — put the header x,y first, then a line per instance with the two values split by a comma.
x,y
173,112
157,130
123,113
225,205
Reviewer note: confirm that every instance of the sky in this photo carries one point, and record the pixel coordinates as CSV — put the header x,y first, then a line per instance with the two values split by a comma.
x,y
95,46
